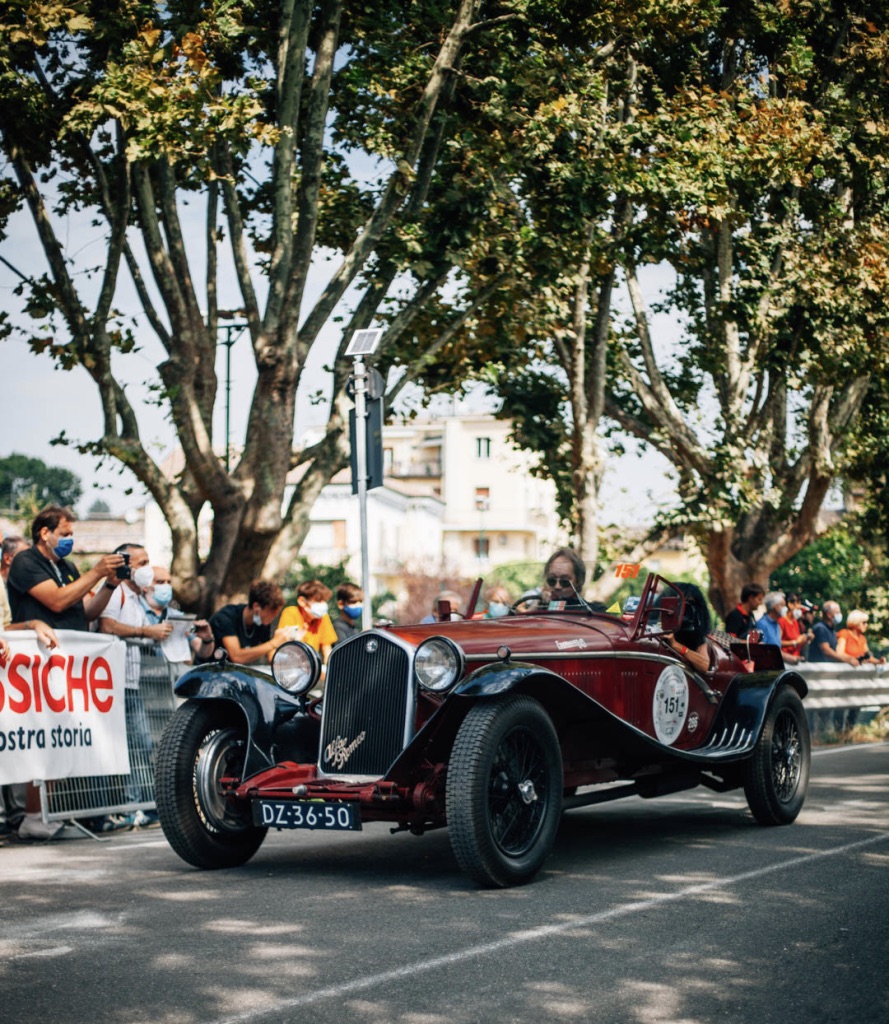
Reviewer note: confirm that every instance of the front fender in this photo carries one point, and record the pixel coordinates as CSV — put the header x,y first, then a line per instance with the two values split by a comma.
x,y
561,700
264,705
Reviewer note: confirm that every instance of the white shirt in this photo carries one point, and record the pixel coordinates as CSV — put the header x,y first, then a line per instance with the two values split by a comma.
x,y
125,607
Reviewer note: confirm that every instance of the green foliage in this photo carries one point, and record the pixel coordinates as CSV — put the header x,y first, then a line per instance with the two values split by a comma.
x,y
27,484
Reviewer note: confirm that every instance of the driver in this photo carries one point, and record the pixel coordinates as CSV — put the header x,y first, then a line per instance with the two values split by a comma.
x,y
690,640
563,576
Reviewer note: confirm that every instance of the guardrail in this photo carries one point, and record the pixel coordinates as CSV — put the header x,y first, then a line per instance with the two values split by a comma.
x,y
149,702
840,694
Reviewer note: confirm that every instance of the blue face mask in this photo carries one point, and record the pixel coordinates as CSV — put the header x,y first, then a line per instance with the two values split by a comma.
x,y
64,547
496,609
163,594
353,610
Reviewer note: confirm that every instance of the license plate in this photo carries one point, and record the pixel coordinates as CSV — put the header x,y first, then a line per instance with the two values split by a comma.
x,y
332,817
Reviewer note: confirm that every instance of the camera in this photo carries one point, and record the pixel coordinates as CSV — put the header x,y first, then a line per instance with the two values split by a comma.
x,y
123,573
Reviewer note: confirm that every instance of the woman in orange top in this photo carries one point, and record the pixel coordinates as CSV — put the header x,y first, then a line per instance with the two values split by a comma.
x,y
852,641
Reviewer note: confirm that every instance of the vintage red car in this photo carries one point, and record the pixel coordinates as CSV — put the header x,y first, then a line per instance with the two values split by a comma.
x,y
491,728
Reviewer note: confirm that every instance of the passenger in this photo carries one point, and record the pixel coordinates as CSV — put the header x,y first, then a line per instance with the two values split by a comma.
x,y
690,640
564,576
498,601
455,601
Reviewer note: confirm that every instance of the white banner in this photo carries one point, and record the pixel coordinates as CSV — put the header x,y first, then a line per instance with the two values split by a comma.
x,y
62,710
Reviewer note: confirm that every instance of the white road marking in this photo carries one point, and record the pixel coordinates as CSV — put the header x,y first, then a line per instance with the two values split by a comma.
x,y
534,934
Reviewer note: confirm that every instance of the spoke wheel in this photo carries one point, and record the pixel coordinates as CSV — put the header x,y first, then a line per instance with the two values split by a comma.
x,y
504,791
778,772
203,823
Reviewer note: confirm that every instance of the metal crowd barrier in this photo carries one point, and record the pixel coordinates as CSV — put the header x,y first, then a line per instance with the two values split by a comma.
x,y
841,695
148,709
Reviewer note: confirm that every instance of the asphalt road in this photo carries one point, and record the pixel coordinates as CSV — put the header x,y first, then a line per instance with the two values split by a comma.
x,y
675,911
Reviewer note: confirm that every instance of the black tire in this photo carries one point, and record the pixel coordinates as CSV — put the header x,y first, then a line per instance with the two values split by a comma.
x,y
777,775
201,744
504,791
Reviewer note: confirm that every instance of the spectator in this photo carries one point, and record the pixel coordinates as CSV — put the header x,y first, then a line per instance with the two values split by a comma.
x,y
46,590
44,585
350,602
564,576
499,602
793,637
768,623
11,546
741,619
125,615
13,796
158,597
807,619
453,599
824,644
244,630
690,640
310,619
852,641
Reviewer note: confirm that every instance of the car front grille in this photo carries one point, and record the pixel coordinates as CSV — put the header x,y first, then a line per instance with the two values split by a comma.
x,y
369,706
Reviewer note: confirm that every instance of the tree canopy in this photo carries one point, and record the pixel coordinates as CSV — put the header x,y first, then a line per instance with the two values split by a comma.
x,y
740,149
26,484
490,181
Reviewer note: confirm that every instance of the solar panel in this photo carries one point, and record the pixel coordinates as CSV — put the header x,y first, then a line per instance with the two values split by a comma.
x,y
363,343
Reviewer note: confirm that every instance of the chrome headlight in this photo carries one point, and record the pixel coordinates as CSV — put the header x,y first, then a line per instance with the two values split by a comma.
x,y
439,664
296,667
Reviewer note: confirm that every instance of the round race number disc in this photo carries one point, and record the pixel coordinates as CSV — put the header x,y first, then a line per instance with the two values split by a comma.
x,y
670,705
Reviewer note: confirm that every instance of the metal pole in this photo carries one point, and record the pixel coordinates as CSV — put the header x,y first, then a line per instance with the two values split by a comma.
x,y
360,379
228,390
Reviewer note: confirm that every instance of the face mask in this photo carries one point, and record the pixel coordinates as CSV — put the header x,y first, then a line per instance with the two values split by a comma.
x,y
797,613
64,547
143,576
163,594
352,610
496,609
838,618
318,609
257,618
782,611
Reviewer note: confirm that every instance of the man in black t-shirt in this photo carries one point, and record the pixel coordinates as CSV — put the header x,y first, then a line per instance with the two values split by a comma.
x,y
44,585
244,630
741,619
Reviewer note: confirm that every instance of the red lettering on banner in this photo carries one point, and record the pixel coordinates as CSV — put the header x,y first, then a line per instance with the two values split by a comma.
x,y
35,684
80,682
19,683
52,702
627,570
100,679
94,683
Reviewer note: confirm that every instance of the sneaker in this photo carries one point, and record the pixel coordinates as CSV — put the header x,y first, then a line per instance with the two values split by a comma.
x,y
34,827
116,823
144,819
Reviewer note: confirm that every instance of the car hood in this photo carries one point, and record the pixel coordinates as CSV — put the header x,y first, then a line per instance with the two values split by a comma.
x,y
523,634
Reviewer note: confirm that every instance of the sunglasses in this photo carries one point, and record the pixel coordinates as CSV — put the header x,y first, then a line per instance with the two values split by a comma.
x,y
559,581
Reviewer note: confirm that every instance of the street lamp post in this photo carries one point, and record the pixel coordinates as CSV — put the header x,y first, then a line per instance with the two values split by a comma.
x,y
233,331
363,343
482,505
